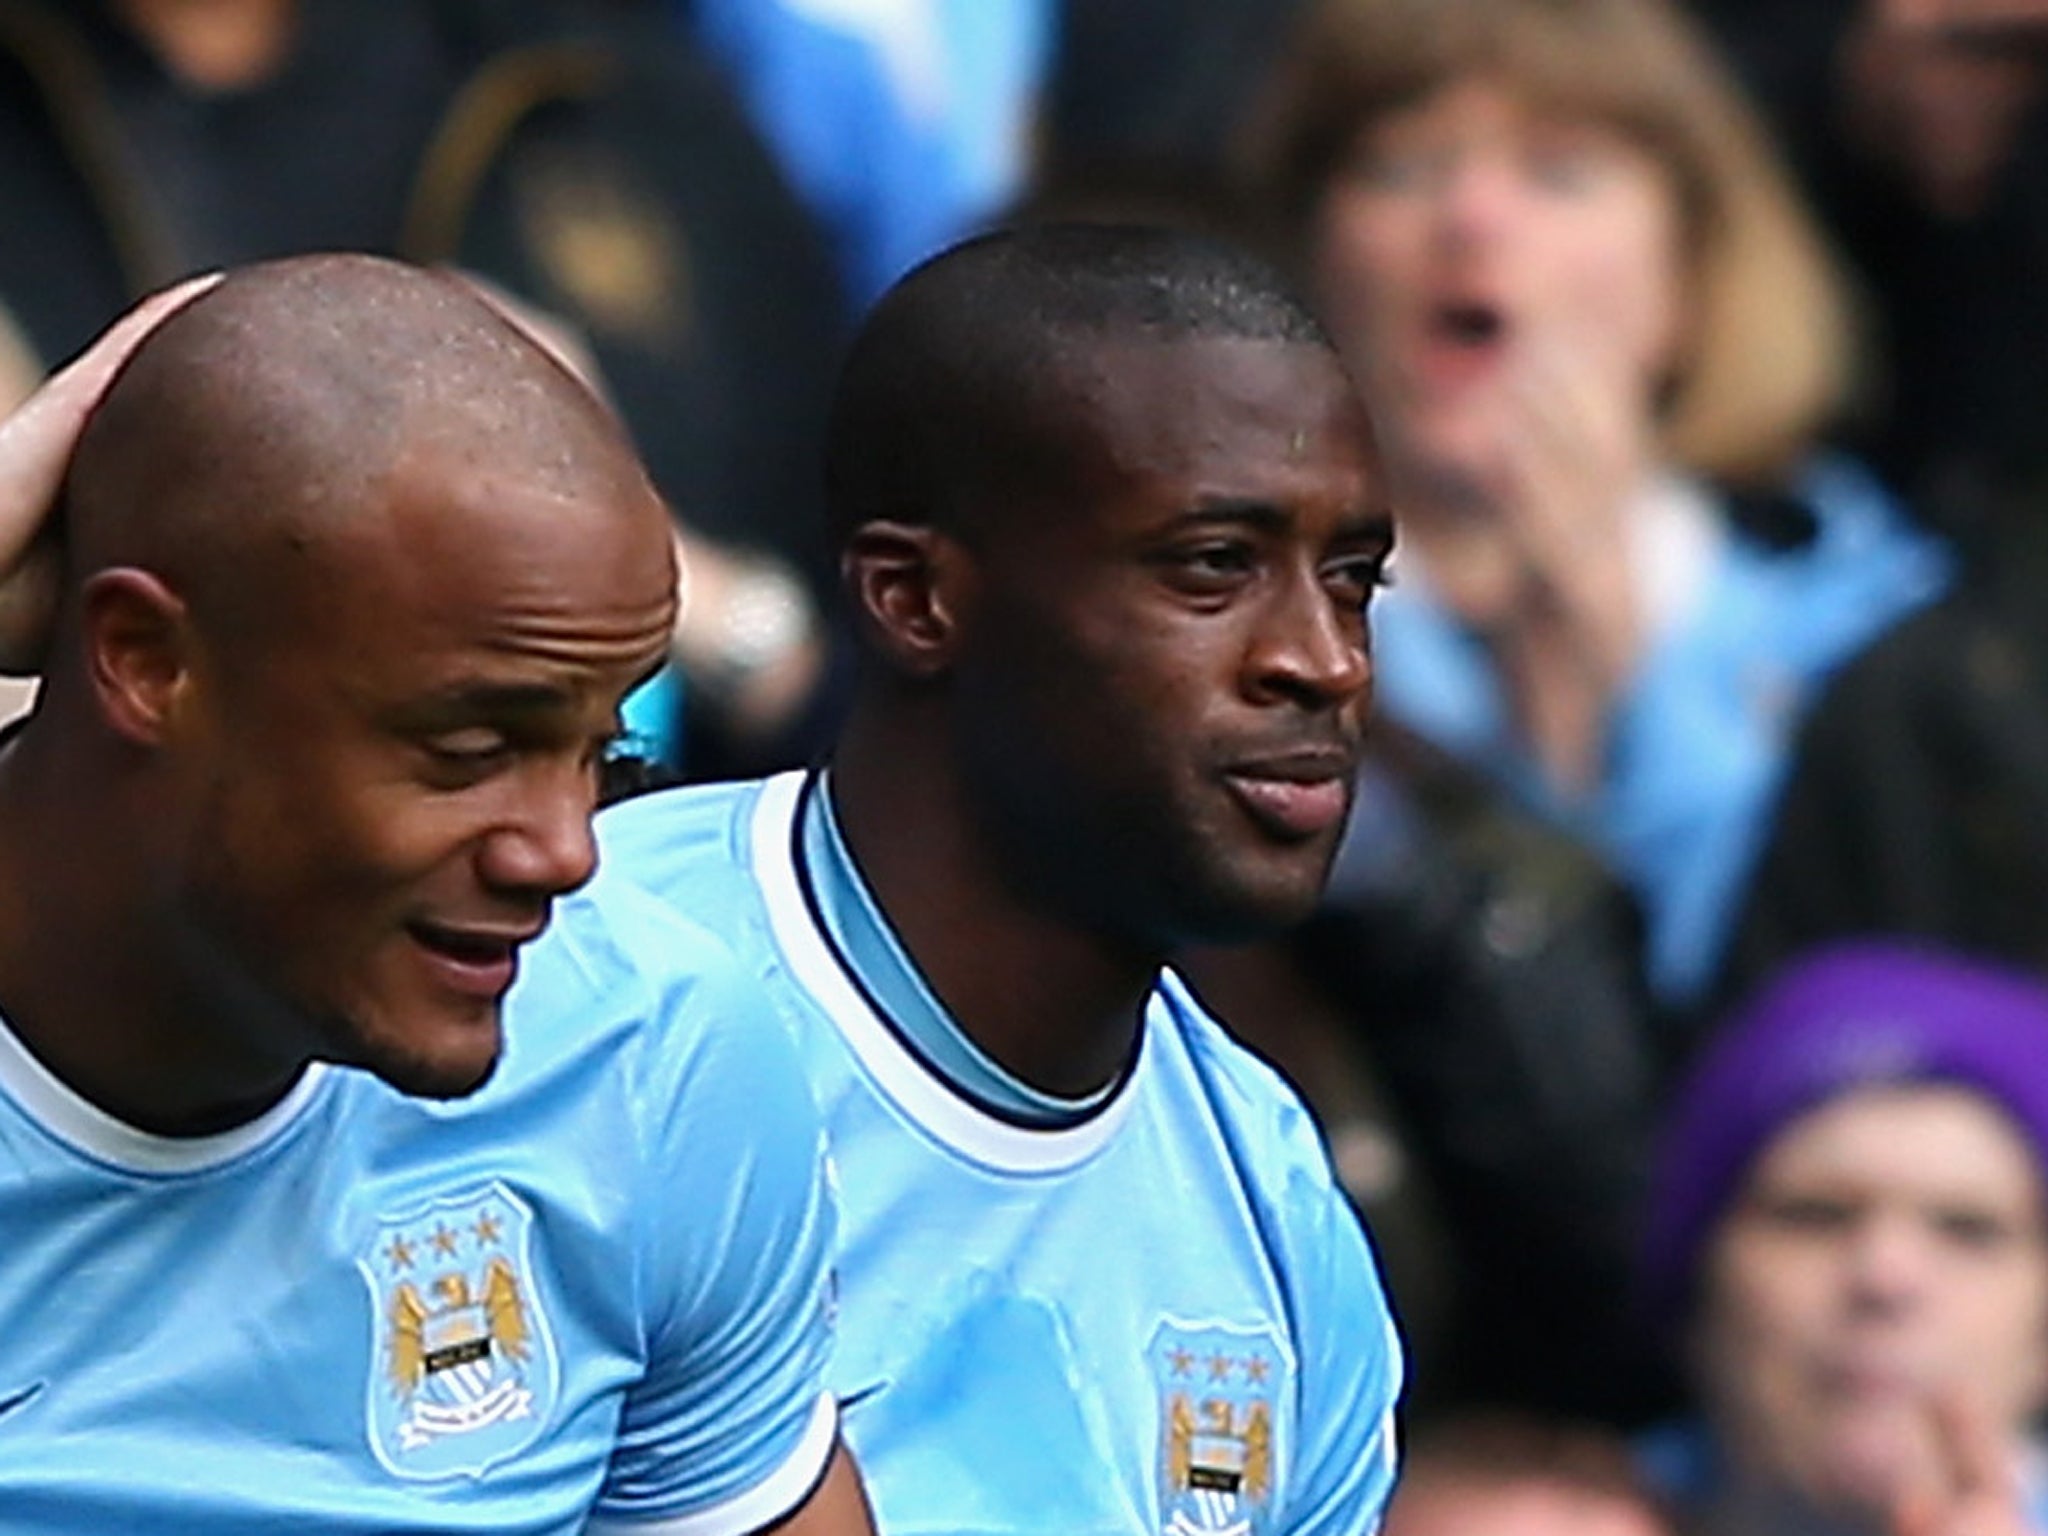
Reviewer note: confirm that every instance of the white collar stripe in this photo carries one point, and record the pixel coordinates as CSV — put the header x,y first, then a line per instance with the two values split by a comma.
x,y
90,1130
928,1100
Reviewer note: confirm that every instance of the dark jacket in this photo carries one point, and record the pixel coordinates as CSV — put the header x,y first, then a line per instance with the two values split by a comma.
x,y
1918,802
586,162
1493,972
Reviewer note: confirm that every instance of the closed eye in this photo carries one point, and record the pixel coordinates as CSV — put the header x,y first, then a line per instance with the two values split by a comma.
x,y
472,746
458,759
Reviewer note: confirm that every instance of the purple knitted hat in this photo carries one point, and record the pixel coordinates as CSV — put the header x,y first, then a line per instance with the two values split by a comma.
x,y
1847,1016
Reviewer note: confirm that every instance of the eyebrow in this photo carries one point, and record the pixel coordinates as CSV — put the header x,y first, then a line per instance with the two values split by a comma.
x,y
1371,524
482,701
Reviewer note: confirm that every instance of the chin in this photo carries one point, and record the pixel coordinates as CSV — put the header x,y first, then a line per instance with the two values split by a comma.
x,y
453,1066
439,1081
1240,912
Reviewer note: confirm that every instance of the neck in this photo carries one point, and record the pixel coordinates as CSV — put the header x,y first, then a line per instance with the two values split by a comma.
x,y
1051,1002
90,981
216,45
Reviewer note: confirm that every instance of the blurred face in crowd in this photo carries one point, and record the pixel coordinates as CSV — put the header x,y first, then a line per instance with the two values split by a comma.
x,y
1475,246
1888,1244
1164,677
394,786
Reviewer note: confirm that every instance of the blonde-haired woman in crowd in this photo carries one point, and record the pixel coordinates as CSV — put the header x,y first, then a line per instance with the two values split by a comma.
x,y
1601,340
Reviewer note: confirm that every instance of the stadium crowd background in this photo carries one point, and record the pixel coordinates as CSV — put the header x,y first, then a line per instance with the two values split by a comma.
x,y
1847,736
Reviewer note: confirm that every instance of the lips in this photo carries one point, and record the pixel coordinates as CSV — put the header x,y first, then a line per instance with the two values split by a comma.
x,y
475,960
1461,341
1467,324
1295,796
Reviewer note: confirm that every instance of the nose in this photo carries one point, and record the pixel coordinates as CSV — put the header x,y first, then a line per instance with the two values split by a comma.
x,y
1308,648
542,846
1477,201
1887,1262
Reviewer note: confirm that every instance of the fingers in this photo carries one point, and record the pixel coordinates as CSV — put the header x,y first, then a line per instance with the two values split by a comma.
x,y
1976,1489
36,441
35,450
1573,454
1970,1446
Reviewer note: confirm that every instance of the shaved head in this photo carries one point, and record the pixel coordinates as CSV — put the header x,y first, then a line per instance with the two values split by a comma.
x,y
356,579
253,428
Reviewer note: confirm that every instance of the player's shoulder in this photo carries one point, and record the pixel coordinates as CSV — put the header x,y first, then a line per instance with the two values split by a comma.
x,y
1314,1234
686,845
1273,1142
621,972
1257,1109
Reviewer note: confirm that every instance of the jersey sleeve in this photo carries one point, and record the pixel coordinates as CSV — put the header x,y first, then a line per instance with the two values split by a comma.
x,y
1345,1471
731,1426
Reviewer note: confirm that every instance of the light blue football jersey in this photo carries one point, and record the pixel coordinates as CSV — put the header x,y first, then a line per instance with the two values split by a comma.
x,y
596,1290
1159,1318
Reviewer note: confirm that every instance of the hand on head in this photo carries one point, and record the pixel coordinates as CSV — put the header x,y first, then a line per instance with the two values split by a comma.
x,y
35,449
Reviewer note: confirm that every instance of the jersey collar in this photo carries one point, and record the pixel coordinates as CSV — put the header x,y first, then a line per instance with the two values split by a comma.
x,y
841,949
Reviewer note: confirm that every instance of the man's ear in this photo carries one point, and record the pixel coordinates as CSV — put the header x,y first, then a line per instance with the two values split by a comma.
x,y
911,586
137,641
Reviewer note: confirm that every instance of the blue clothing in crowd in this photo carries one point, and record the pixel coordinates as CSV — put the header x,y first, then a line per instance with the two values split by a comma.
x,y
1697,744
901,124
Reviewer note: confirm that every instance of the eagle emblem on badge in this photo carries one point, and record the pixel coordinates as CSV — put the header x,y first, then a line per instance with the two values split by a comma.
x,y
1220,1389
464,1371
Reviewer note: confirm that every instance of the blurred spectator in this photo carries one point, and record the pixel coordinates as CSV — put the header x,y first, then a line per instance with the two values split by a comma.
x,y
1507,1475
904,123
581,158
1601,340
1846,1239
1921,129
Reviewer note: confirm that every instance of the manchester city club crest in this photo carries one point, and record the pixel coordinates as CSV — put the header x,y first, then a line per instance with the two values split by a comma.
x,y
1220,1390
464,1372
